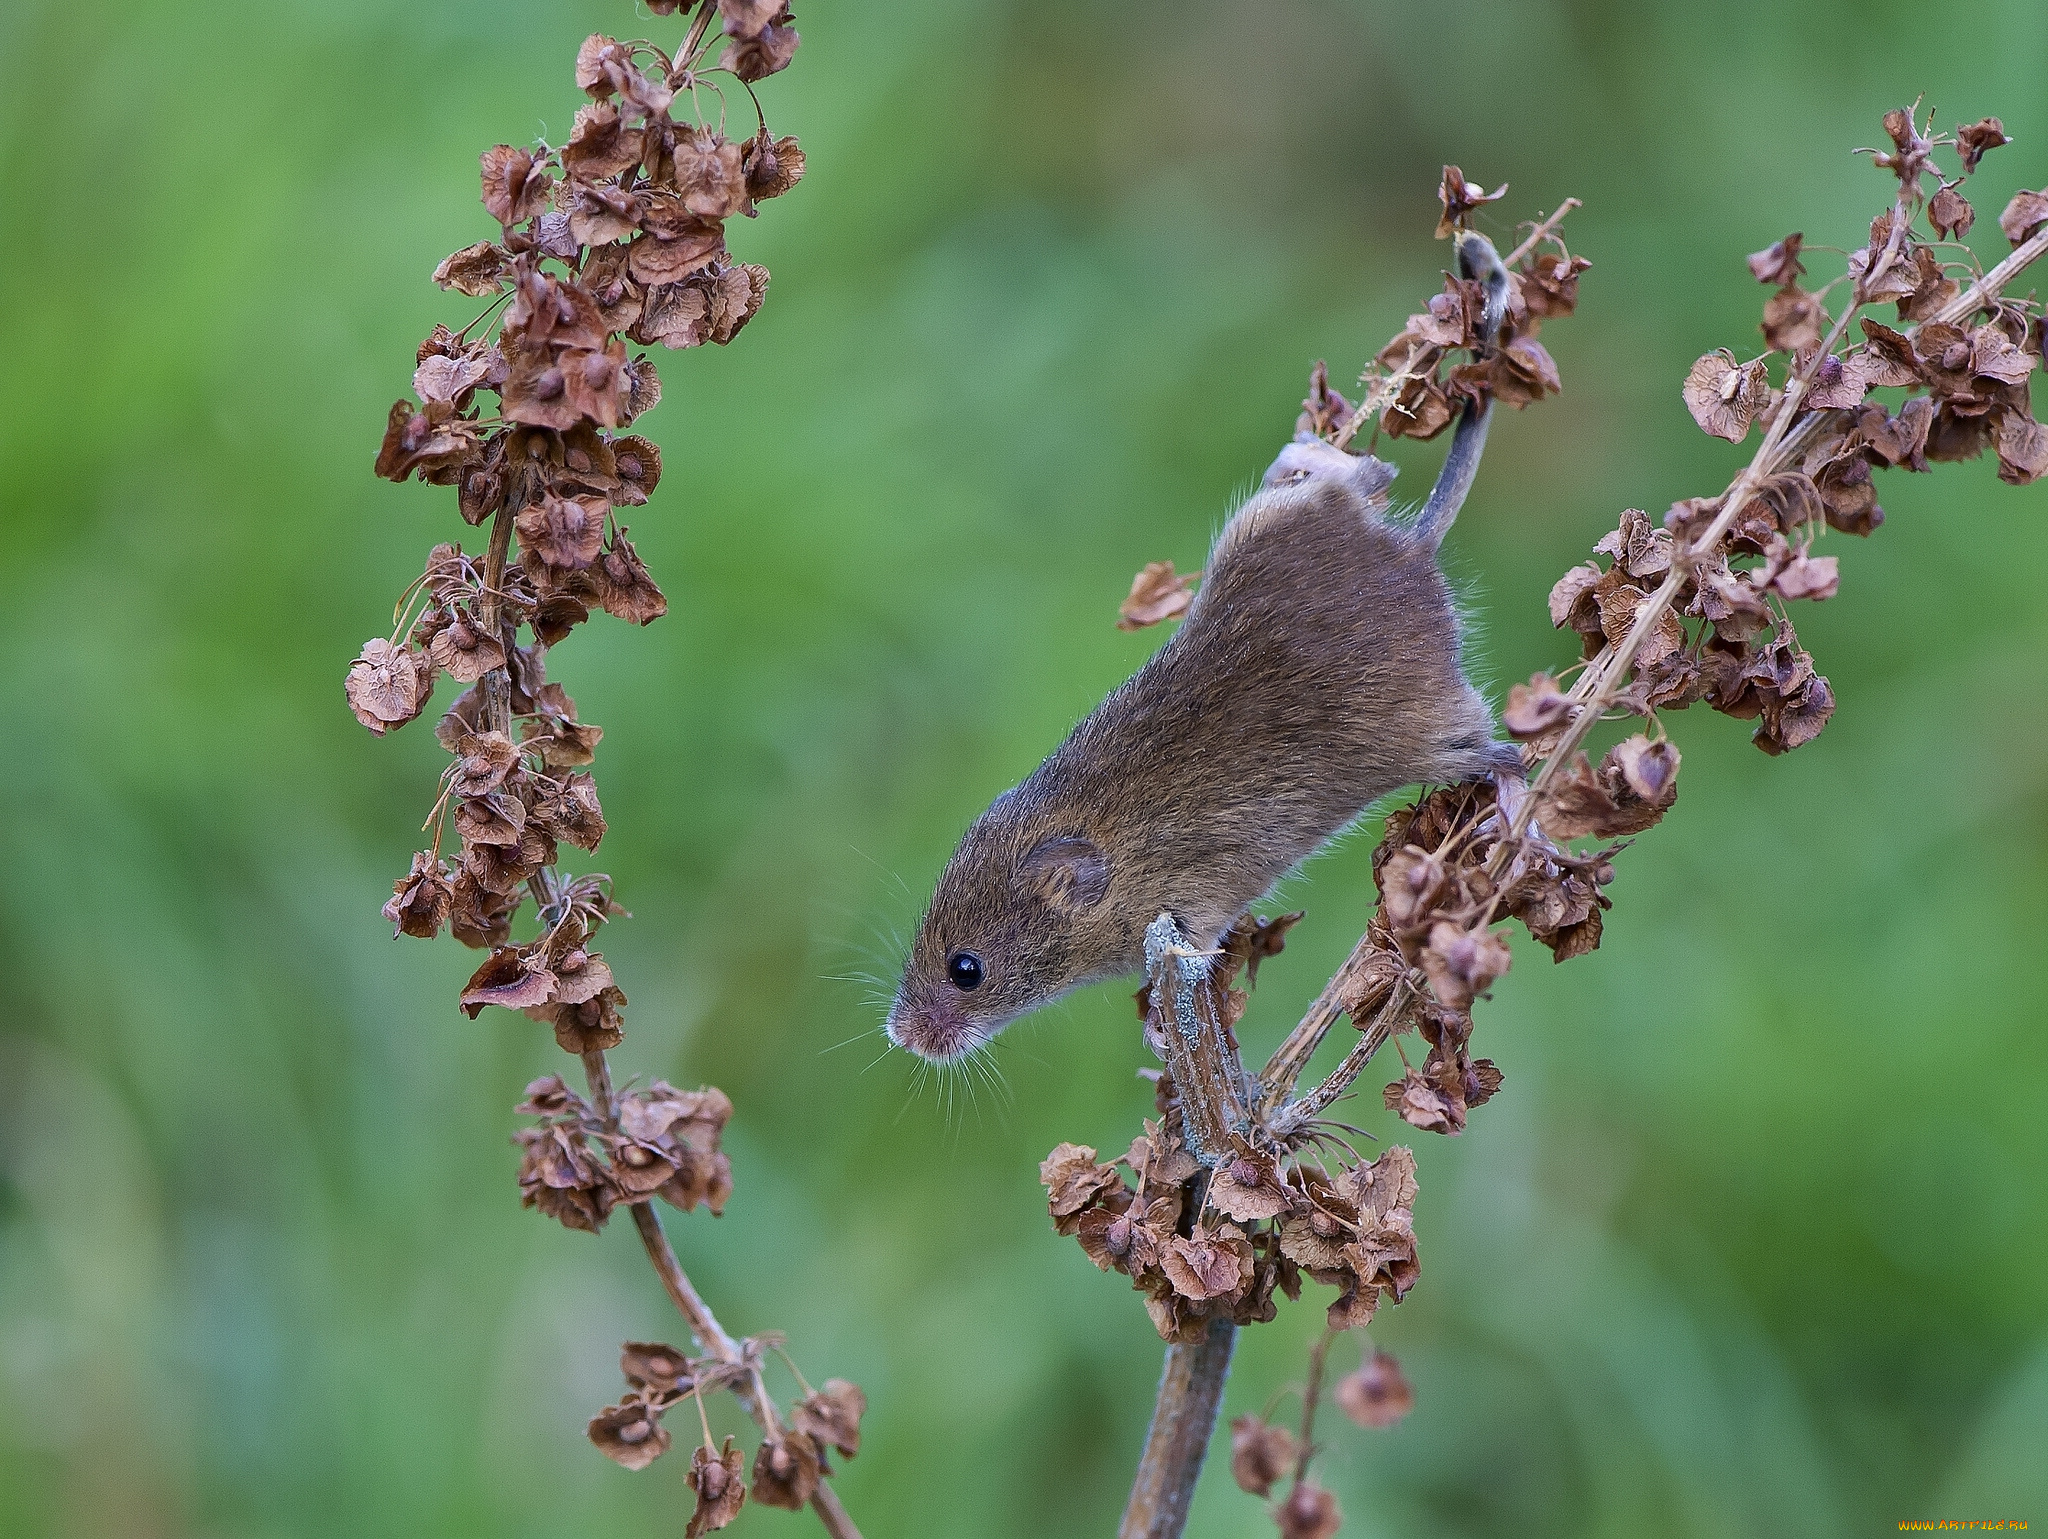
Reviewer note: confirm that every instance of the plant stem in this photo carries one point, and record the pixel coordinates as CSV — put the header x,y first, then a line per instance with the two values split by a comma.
x,y
1305,1446
1183,1420
1540,233
1277,1079
1214,1108
497,684
1206,1070
1297,1114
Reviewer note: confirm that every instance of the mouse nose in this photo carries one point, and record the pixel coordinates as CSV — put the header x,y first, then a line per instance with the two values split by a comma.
x,y
934,1031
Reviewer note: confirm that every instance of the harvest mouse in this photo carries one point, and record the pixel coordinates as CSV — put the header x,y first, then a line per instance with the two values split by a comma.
x,y
1317,669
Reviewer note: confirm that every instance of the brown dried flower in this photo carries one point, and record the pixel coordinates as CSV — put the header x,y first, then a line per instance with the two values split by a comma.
x,y
629,1433
388,685
720,1487
1725,397
832,1415
1378,1394
1261,1454
786,1471
1309,1512
1459,198
1157,593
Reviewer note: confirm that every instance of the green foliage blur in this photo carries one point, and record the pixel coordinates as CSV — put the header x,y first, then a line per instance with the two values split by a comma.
x,y
1755,1240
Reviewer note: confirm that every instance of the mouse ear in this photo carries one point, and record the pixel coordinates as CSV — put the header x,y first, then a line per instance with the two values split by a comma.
x,y
1065,871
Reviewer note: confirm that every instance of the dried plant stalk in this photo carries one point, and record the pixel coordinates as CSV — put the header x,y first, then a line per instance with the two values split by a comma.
x,y
1177,1442
630,211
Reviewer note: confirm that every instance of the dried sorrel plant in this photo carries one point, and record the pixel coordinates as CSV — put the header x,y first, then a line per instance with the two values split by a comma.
x,y
1244,1185
617,234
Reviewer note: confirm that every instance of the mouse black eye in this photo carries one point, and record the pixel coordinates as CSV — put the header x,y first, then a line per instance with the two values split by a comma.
x,y
964,968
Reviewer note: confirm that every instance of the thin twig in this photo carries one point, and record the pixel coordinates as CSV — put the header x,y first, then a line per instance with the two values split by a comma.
x,y
687,54
1541,232
1305,1446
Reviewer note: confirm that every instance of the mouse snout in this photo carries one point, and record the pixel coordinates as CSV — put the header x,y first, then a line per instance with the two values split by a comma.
x,y
933,1030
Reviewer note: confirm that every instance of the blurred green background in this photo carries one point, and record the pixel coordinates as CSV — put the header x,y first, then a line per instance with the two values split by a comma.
x,y
1752,1244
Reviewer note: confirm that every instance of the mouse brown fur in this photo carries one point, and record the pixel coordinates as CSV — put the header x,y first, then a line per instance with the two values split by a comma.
x,y
1317,670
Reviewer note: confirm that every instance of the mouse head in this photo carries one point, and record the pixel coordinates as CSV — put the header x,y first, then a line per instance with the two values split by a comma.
x,y
1006,932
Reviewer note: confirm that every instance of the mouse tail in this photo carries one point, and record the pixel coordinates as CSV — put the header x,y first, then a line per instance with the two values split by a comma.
x,y
1476,259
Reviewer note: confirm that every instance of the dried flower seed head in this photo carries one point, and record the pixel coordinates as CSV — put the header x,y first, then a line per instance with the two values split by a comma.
x,y
514,977
1462,964
600,213
700,1178
1778,263
749,18
1459,198
629,1433
756,56
656,1367
558,1176
624,586
1378,1394
515,184
1909,158
486,758
709,175
1260,1454
600,144
1536,708
1209,1263
580,975
643,387
421,899
1551,285
1725,397
2022,449
772,166
1324,412
563,532
1157,593
720,1486
1309,1512
1251,940
1248,1188
1073,1179
637,464
478,271
388,685
549,1096
1974,139
786,1471
1950,214
479,916
832,1415
1792,322
594,1025
464,653
1649,770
